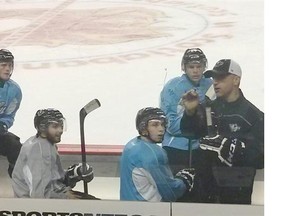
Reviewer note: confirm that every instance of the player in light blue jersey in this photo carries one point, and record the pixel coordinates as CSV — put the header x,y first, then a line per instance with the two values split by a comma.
x,y
10,99
144,172
182,151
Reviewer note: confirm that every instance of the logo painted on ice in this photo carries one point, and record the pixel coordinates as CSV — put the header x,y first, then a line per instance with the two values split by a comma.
x,y
74,33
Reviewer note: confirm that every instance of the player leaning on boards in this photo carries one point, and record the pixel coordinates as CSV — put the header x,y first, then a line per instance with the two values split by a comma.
x,y
10,99
144,171
236,149
38,172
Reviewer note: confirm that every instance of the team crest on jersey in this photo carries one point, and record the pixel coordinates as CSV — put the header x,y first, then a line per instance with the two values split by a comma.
x,y
234,127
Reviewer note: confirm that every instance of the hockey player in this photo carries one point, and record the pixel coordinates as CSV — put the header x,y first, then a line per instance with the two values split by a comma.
x,y
10,99
38,172
183,151
144,172
236,147
194,63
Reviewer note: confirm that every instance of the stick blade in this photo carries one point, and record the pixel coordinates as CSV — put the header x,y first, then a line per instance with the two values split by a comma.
x,y
92,105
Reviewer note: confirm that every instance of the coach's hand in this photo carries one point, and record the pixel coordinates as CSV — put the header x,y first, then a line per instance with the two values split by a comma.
x,y
230,150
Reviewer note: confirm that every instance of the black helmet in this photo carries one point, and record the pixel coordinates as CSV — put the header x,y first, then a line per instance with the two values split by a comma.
x,y
146,114
45,116
193,55
6,56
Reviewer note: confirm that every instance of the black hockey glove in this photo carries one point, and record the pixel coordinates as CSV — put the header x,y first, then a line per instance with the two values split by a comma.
x,y
230,150
187,176
74,173
3,128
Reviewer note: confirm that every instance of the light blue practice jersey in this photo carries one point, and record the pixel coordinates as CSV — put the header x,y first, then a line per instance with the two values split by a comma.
x,y
169,102
10,99
145,174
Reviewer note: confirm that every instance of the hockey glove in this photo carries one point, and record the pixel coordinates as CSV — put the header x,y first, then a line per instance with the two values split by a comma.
x,y
74,173
187,176
230,150
3,128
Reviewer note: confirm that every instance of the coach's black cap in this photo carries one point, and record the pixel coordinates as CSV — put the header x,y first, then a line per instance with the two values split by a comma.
x,y
223,67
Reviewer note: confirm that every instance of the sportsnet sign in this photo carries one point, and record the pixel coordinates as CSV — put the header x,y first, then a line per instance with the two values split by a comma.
x,y
53,207
50,207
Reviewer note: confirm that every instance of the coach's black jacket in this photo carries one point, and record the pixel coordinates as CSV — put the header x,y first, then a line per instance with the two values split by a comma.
x,y
239,119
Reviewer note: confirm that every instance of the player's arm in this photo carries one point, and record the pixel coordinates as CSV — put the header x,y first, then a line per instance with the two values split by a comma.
x,y
170,105
193,121
169,187
8,116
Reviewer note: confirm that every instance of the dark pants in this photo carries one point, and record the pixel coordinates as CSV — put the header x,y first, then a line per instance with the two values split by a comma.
x,y
214,181
235,184
10,146
177,159
222,184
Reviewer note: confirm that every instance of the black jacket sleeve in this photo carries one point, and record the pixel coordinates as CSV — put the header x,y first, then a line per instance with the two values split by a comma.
x,y
254,154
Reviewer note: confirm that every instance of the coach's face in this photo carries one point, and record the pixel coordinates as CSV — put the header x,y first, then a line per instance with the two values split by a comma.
x,y
226,86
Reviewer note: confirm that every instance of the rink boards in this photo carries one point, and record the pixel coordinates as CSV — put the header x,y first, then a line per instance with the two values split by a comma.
x,y
32,207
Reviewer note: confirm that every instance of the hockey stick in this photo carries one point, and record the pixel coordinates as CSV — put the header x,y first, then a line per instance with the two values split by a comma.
x,y
211,96
92,105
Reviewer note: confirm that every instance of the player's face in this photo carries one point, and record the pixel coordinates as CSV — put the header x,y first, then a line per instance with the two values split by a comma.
x,y
156,129
54,132
225,86
5,70
194,71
